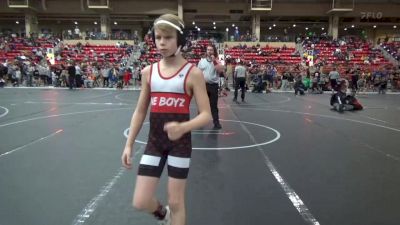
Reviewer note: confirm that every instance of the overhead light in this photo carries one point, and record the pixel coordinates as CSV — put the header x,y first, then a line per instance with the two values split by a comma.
x,y
95,22
75,23
227,29
17,22
215,27
115,23
323,28
352,26
214,23
306,28
198,29
270,28
236,28
345,28
294,25
374,26
274,25
394,26
193,23
233,25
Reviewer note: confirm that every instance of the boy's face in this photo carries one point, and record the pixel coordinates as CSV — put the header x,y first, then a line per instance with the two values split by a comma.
x,y
166,41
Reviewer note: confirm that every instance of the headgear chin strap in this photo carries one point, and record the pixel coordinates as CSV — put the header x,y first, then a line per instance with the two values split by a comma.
x,y
176,53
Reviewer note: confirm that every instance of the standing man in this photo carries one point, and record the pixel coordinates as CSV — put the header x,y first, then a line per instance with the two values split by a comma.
x,y
78,75
334,77
71,77
211,67
240,80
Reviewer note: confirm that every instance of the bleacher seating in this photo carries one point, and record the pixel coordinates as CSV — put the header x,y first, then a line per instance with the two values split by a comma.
x,y
99,53
196,52
357,53
89,52
393,48
271,55
19,49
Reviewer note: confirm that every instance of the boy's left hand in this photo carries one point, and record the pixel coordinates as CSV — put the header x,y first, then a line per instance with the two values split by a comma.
x,y
174,130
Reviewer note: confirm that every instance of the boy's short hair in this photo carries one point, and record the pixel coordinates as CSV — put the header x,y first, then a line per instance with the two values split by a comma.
x,y
168,22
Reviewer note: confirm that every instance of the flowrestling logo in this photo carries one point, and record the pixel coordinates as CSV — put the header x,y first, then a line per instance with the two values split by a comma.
x,y
371,15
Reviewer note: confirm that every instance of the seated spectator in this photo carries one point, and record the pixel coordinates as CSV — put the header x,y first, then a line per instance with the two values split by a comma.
x,y
88,81
299,87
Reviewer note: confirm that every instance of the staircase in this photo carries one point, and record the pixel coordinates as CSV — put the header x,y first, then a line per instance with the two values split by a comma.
x,y
300,49
388,56
135,55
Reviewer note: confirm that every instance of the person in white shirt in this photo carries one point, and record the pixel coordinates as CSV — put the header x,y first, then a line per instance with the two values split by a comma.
x,y
211,67
240,80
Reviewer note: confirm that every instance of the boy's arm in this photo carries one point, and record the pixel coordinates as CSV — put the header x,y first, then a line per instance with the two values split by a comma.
x,y
137,118
141,108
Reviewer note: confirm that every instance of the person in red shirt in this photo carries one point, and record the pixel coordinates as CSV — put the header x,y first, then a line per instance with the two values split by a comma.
x,y
127,77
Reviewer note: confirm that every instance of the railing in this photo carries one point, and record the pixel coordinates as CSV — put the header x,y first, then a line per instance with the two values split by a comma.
x,y
388,56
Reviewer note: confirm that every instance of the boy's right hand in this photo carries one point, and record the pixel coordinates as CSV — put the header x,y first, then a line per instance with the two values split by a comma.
x,y
126,158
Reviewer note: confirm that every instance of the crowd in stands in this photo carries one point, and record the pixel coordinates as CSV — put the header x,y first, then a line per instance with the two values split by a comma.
x,y
94,34
193,50
24,62
354,58
350,51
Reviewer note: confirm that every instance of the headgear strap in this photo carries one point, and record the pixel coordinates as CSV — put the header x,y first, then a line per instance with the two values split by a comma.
x,y
171,24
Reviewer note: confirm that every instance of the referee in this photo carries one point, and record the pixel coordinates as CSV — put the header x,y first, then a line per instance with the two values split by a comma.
x,y
211,67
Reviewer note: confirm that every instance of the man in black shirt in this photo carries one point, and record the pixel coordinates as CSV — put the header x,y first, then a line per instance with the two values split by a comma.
x,y
71,77
58,72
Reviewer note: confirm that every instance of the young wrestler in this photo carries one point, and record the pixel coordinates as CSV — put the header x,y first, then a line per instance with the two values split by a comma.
x,y
168,86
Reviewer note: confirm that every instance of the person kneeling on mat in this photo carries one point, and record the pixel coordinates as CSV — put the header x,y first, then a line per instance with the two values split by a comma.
x,y
299,86
343,102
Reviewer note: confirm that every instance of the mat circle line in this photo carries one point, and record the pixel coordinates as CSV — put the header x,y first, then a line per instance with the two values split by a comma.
x,y
277,137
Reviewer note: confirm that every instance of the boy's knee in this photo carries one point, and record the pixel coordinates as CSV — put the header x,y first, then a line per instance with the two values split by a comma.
x,y
175,204
139,204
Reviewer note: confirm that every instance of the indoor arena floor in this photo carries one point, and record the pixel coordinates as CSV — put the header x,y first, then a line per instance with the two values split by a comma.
x,y
279,160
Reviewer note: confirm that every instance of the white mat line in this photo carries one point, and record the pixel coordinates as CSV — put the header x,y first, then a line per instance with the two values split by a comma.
x,y
371,118
5,113
301,208
58,115
89,209
31,143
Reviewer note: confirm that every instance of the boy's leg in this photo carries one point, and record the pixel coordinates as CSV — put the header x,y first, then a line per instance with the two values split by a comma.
x,y
144,195
176,200
178,170
149,172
